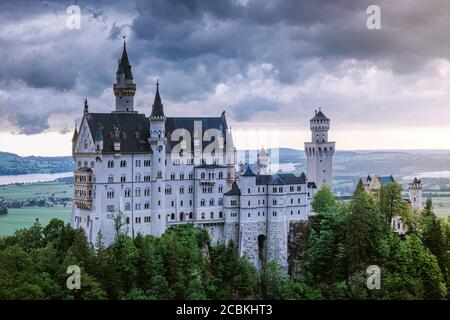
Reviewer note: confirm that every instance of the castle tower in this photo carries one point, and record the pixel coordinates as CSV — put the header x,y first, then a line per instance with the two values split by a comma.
x,y
124,88
157,143
263,161
415,194
319,151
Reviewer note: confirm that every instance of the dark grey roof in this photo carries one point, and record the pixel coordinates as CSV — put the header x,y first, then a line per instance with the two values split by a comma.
x,y
157,108
124,65
135,126
312,184
279,179
384,180
234,191
210,166
248,172
319,116
188,124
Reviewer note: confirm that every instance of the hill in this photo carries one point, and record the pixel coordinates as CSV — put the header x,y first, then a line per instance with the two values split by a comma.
x,y
13,164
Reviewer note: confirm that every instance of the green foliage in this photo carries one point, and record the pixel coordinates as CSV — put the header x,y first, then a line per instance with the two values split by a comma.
x,y
340,242
323,201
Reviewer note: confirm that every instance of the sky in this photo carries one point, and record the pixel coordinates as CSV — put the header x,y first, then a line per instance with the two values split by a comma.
x,y
267,64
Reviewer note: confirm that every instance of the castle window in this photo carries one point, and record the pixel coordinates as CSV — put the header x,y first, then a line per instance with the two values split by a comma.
x,y
220,201
127,193
137,177
281,189
249,203
147,219
147,205
110,178
123,178
127,206
127,220
159,175
138,163
220,189
110,193
248,214
172,216
138,219
146,163
274,190
212,215
147,178
172,176
147,192
168,190
291,189
159,202
92,164
181,190
181,203
274,213
248,190
203,215
202,202
299,188
137,192
274,201
202,175
172,204
181,176
191,176
292,201
190,215
190,202
220,214
123,163
234,202
220,175
211,202
263,189
191,189
298,200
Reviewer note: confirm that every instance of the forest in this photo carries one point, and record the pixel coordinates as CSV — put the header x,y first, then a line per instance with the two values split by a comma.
x,y
339,242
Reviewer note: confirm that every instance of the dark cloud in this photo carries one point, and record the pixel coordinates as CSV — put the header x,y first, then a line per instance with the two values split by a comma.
x,y
193,46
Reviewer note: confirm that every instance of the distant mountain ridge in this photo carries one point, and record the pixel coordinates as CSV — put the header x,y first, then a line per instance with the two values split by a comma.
x,y
13,164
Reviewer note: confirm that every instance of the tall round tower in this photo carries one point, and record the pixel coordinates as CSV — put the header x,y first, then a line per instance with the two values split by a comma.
x,y
157,142
320,151
415,194
124,88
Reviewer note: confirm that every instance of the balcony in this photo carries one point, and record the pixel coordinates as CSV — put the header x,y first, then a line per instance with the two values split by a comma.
x,y
83,188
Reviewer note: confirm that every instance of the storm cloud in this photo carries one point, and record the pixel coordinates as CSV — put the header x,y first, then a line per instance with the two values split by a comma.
x,y
263,61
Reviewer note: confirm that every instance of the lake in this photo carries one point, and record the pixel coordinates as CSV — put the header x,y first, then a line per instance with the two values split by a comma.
x,y
429,174
33,177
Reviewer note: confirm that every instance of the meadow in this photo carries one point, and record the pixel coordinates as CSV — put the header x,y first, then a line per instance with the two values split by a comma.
x,y
36,190
25,217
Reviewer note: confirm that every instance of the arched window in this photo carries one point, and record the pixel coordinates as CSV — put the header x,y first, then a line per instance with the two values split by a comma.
x,y
147,192
137,192
220,201
123,178
127,206
220,175
110,193
110,178
127,193
211,202
202,175
202,202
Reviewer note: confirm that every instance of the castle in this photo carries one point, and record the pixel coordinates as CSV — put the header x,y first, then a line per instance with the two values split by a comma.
x,y
155,172
414,200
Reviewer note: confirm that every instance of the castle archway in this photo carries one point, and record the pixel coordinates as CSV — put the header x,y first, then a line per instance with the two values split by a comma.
x,y
261,250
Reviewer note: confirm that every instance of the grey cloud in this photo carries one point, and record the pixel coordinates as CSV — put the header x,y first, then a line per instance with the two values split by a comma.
x,y
249,107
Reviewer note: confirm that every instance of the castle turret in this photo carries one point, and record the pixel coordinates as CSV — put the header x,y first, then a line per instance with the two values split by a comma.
x,y
263,161
124,88
157,142
320,151
415,194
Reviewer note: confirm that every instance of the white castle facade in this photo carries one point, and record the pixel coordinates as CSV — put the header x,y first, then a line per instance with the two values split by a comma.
x,y
138,168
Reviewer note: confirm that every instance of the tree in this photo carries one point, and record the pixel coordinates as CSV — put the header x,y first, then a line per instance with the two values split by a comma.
x,y
324,200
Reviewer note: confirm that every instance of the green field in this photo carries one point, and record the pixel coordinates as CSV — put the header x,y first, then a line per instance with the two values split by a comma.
x,y
441,206
36,190
25,217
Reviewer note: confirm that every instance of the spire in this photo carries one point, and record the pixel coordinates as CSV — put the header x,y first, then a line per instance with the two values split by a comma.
x,y
124,65
157,108
86,107
75,135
